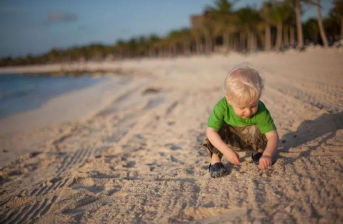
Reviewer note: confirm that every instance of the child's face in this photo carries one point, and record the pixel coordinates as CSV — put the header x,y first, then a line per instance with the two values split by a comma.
x,y
244,111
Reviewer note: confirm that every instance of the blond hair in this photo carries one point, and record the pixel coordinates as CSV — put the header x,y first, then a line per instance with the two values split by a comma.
x,y
243,85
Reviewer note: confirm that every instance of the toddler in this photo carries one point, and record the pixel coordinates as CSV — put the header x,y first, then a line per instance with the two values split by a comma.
x,y
240,122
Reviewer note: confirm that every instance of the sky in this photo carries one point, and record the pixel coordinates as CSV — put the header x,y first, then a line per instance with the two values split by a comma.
x,y
36,26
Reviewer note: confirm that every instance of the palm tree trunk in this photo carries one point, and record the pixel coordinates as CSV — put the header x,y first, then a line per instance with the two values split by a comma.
x,y
198,44
166,52
170,50
278,37
321,27
151,53
174,50
291,34
235,44
242,41
285,36
251,42
262,37
299,25
208,41
267,39
226,41
186,48
254,42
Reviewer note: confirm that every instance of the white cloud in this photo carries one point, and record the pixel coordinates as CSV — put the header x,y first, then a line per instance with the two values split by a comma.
x,y
57,16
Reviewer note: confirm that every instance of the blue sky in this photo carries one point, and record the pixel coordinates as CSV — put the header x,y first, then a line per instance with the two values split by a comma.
x,y
36,26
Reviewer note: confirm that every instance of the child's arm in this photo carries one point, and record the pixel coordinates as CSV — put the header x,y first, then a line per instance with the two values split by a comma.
x,y
217,142
273,141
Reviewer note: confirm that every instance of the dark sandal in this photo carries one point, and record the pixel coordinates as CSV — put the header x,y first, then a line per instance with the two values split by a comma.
x,y
217,170
256,158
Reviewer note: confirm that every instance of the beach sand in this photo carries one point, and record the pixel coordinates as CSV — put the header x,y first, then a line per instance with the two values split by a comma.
x,y
135,154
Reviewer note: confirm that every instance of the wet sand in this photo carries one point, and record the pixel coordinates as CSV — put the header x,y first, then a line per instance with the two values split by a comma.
x,y
138,157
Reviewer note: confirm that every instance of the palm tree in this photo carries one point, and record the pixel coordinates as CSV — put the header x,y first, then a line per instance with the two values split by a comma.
x,y
311,30
338,11
296,4
185,38
222,20
151,41
121,49
320,20
180,40
320,25
280,13
299,24
207,30
197,34
266,16
247,20
289,31
297,7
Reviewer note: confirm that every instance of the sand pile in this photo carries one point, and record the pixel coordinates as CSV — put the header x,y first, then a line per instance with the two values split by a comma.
x,y
140,160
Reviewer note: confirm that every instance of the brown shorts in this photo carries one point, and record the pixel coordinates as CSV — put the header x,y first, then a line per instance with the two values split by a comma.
x,y
239,139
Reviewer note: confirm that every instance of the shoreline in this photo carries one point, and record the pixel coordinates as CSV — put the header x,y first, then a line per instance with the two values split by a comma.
x,y
78,102
20,93
73,69
59,111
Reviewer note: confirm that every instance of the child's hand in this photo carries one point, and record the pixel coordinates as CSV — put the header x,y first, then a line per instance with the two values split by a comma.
x,y
265,162
232,156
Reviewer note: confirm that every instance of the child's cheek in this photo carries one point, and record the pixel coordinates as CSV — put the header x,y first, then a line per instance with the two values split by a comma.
x,y
256,110
239,113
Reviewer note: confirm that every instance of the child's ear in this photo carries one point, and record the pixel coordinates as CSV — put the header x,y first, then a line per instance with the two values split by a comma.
x,y
228,99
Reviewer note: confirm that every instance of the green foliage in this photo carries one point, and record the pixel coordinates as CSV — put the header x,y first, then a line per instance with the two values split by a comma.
x,y
266,11
311,30
337,9
220,7
247,18
280,13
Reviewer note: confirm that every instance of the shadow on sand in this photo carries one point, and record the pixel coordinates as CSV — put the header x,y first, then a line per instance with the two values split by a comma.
x,y
324,127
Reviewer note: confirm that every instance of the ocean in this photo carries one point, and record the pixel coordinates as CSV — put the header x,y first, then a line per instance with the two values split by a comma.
x,y
20,93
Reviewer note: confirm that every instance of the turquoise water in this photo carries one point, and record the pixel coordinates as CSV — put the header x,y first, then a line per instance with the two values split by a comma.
x,y
20,93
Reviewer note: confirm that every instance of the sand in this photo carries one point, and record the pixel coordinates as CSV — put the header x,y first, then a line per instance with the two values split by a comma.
x,y
138,158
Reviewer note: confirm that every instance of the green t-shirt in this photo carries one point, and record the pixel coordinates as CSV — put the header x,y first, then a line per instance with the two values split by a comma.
x,y
223,112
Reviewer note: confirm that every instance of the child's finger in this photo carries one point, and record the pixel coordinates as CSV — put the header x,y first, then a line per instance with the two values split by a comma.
x,y
234,160
237,160
262,164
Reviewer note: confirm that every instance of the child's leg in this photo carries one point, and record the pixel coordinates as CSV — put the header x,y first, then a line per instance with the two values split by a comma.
x,y
251,139
247,138
215,159
257,151
216,168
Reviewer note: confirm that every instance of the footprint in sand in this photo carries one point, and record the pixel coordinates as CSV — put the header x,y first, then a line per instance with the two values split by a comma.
x,y
173,146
